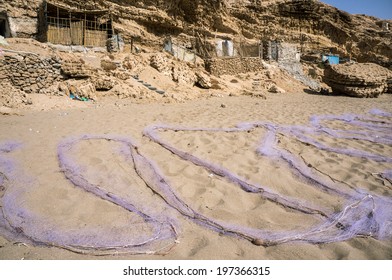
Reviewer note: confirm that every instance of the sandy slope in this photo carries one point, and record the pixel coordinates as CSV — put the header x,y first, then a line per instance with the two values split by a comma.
x,y
59,205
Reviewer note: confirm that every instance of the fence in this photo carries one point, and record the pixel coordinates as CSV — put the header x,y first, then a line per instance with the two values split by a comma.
x,y
67,31
180,52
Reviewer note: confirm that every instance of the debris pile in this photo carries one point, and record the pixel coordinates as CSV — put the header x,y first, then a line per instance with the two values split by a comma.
x,y
16,99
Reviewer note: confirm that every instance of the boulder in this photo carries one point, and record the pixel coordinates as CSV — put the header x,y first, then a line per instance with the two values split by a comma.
x,y
103,83
108,65
76,70
82,88
276,89
182,74
161,63
358,79
203,80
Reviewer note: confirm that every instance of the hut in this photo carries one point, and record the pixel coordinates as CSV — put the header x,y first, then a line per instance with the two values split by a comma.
x,y
72,26
280,51
225,48
181,50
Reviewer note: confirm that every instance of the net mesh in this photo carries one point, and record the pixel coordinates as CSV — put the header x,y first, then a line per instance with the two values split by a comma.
x,y
136,233
364,213
152,229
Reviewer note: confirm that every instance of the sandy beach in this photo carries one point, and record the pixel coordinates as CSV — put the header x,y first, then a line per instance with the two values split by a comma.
x,y
49,208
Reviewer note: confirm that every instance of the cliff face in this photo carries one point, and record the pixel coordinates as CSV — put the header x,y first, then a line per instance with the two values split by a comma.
x,y
310,23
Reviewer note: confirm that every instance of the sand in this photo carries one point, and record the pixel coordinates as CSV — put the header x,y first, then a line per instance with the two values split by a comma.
x,y
61,207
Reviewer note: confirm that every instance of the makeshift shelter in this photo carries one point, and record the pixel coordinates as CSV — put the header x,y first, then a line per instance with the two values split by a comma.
x,y
179,51
71,26
279,51
225,48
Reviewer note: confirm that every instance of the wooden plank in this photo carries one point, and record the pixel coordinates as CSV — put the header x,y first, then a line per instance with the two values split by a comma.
x,y
59,35
77,32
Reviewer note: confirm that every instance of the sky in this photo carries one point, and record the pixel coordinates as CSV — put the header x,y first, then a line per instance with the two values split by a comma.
x,y
378,8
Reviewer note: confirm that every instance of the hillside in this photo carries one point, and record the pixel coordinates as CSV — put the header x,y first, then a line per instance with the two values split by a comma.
x,y
313,24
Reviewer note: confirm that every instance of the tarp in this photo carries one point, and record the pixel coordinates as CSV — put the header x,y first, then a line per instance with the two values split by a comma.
x,y
332,59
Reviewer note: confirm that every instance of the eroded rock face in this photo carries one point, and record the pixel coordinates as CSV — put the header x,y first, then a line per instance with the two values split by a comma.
x,y
319,24
358,79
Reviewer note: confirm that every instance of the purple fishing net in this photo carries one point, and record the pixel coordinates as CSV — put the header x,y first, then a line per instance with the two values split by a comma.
x,y
364,213
147,235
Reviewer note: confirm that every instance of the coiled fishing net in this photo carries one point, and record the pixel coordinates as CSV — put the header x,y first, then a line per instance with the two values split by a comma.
x,y
363,213
139,189
127,230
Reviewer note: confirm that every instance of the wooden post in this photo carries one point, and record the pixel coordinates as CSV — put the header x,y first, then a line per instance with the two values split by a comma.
x,y
70,27
84,29
111,24
46,27
58,26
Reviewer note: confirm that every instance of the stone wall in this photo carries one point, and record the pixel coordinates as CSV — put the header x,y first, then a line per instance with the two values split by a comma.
x,y
29,73
233,66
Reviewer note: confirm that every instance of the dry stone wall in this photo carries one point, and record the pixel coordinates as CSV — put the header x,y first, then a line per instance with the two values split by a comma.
x,y
29,73
233,66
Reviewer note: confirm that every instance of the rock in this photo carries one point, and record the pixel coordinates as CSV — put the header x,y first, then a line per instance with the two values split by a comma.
x,y
183,75
12,97
82,88
161,63
358,79
63,89
389,89
121,74
275,89
76,70
203,80
108,65
103,83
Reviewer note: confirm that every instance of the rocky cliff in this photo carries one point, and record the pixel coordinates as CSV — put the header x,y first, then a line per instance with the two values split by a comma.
x,y
310,23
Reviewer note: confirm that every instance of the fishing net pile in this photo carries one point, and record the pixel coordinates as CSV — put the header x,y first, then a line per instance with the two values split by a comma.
x,y
129,229
149,197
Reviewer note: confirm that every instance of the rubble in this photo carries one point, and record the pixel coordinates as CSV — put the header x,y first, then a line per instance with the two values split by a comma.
x,y
358,79
12,97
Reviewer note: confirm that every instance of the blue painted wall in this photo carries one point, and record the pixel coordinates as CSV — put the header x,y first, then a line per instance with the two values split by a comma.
x,y
332,59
